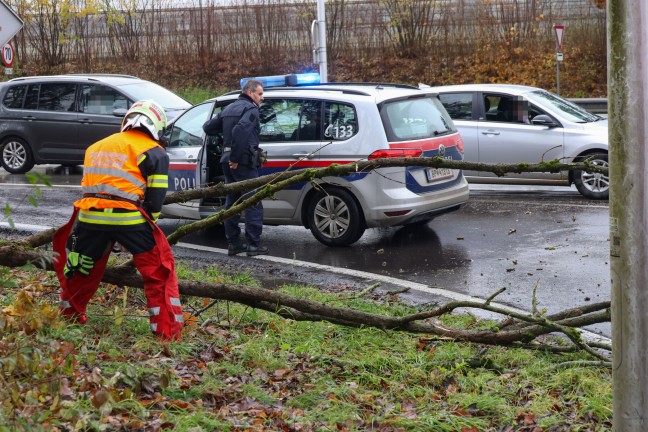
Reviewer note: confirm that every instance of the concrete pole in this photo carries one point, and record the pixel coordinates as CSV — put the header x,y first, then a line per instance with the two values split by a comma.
x,y
321,26
627,33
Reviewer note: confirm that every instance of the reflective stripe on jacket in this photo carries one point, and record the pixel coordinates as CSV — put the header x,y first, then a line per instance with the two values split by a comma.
x,y
109,216
112,167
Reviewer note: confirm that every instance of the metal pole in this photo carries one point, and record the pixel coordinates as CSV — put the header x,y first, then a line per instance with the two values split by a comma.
x,y
557,75
321,18
627,21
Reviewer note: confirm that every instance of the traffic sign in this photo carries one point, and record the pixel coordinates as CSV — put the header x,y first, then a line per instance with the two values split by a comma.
x,y
7,55
560,31
10,24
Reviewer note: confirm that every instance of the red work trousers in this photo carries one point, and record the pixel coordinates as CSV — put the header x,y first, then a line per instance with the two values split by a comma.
x,y
156,266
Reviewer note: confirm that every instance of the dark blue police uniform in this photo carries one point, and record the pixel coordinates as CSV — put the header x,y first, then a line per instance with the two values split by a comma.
x,y
239,124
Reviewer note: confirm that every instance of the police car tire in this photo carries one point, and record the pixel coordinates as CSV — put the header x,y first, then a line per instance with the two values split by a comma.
x,y
16,150
335,218
588,183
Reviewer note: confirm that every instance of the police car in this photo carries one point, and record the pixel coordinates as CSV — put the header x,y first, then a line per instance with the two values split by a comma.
x,y
305,124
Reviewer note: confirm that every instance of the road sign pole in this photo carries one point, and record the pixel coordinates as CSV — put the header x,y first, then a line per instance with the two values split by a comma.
x,y
628,138
559,31
557,76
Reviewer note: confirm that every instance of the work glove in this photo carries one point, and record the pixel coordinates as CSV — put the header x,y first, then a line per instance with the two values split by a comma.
x,y
77,263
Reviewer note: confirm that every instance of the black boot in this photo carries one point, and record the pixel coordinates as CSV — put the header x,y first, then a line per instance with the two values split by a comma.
x,y
236,247
253,250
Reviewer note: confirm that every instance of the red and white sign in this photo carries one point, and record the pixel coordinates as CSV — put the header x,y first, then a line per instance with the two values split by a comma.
x,y
560,31
8,55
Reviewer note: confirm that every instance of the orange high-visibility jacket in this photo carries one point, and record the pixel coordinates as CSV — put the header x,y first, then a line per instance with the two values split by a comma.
x,y
112,167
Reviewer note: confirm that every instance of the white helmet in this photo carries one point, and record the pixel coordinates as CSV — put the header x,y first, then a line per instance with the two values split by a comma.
x,y
145,114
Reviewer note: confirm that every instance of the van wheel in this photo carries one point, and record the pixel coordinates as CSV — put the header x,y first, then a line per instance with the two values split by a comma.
x,y
593,185
16,156
335,218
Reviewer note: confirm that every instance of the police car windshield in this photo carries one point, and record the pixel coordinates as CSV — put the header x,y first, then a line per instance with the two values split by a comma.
x,y
418,118
147,90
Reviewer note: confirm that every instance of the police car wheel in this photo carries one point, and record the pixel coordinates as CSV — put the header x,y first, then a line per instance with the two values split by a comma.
x,y
593,185
335,218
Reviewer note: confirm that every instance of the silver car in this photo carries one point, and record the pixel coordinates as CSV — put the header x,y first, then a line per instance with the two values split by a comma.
x,y
316,126
502,123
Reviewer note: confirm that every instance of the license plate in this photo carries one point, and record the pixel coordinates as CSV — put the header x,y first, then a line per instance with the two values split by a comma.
x,y
434,174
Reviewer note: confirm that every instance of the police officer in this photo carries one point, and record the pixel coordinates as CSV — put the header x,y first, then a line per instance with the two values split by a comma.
x,y
239,124
125,179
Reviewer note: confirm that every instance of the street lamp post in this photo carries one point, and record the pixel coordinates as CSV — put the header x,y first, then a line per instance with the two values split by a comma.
x,y
318,33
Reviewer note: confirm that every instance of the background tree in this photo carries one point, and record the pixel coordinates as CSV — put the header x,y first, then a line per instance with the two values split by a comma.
x,y
409,41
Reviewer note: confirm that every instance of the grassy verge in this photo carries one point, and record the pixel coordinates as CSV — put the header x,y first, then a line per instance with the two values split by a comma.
x,y
197,94
239,369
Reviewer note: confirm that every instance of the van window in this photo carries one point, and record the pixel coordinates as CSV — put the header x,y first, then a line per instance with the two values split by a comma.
x,y
419,118
31,100
14,97
98,99
57,97
187,130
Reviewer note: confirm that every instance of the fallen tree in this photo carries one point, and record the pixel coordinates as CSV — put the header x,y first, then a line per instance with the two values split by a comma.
x,y
514,329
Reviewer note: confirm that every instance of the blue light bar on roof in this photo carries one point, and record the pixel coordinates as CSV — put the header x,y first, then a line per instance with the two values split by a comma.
x,y
289,80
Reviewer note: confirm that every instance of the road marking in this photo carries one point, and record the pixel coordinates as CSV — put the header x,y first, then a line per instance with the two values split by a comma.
x,y
40,185
414,286
25,227
587,335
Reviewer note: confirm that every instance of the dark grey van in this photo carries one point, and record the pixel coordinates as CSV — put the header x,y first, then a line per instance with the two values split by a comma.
x,y
53,119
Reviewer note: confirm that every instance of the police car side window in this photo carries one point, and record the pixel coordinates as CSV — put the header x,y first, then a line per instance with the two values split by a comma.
x,y
187,130
309,121
275,119
285,119
340,121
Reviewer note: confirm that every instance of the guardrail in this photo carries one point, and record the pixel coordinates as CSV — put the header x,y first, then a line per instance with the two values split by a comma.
x,y
593,105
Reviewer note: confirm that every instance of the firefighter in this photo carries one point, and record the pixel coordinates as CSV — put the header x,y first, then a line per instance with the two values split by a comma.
x,y
125,179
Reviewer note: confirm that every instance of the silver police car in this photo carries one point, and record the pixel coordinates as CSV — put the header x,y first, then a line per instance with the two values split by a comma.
x,y
317,125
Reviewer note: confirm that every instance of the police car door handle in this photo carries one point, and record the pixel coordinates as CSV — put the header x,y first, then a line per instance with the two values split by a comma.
x,y
490,132
29,118
303,155
85,121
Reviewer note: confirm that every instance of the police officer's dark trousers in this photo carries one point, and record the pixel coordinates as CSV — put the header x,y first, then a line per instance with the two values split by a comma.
x,y
253,215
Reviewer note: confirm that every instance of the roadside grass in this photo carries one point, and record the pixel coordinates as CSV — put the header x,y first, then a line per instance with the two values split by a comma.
x,y
198,94
241,369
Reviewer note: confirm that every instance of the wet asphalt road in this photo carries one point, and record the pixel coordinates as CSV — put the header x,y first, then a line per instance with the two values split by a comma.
x,y
550,240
